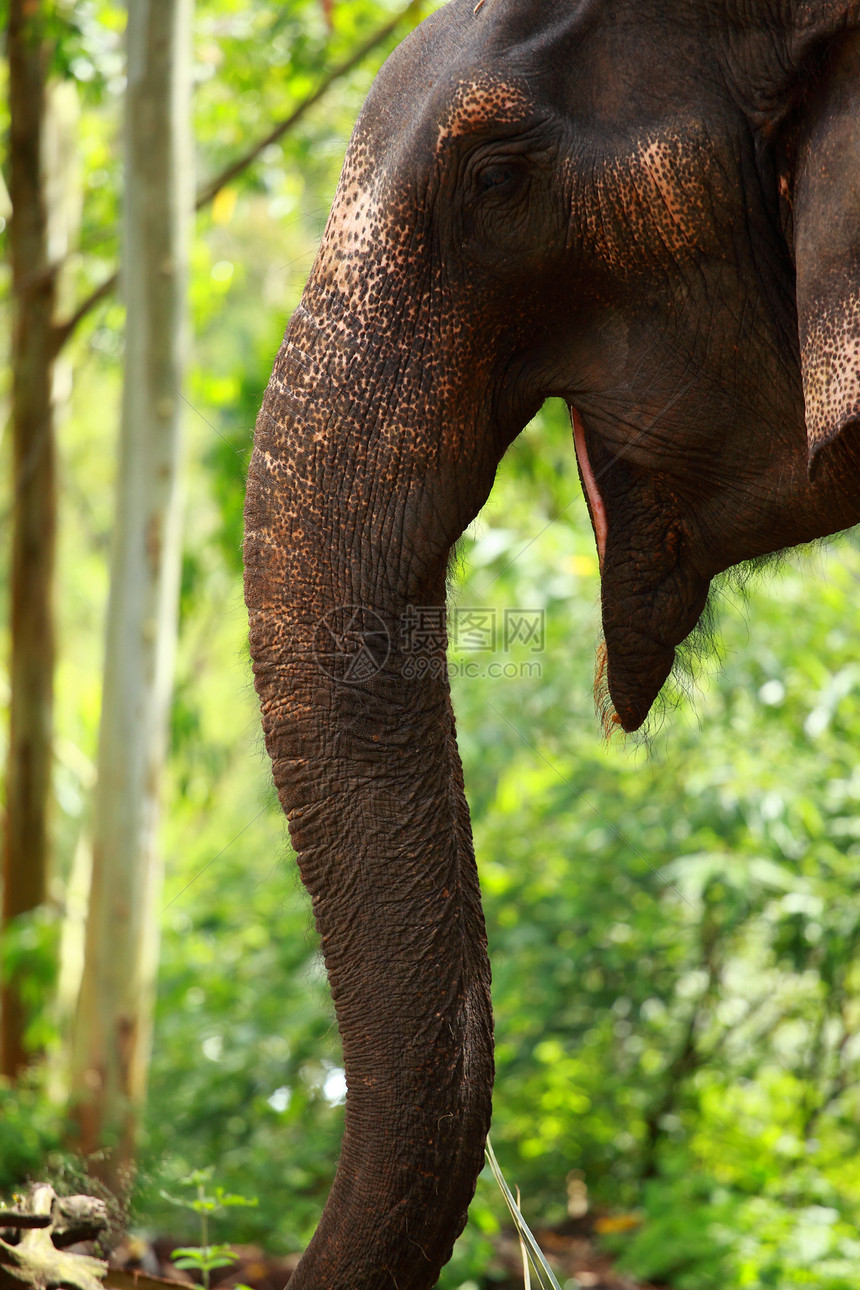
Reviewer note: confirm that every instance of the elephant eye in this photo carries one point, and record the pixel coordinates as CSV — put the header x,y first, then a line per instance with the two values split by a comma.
x,y
498,178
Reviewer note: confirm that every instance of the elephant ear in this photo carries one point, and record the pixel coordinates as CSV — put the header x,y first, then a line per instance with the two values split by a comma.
x,y
827,245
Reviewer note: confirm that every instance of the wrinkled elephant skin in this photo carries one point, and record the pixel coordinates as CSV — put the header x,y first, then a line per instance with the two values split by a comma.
x,y
648,208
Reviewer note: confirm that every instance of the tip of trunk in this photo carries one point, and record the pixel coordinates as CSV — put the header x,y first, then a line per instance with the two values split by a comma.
x,y
624,702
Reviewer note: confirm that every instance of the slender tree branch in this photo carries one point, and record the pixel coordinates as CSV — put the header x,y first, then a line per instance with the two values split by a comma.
x,y
210,191
840,1082
63,330
687,1059
689,1056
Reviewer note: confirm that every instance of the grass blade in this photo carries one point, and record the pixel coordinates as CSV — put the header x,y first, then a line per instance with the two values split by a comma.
x,y
524,1251
531,1250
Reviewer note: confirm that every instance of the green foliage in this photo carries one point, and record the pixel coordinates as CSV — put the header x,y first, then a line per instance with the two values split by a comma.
x,y
28,955
31,1131
203,1258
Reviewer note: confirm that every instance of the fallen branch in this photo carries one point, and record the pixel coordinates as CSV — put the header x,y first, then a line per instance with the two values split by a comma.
x,y
45,1225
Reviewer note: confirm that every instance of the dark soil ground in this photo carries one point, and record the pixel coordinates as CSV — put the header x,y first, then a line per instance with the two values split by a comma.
x,y
571,1250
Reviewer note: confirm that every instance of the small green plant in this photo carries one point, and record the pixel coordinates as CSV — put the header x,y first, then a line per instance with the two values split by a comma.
x,y
205,1257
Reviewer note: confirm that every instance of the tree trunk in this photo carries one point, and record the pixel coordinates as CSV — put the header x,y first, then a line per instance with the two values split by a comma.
x,y
28,779
114,1021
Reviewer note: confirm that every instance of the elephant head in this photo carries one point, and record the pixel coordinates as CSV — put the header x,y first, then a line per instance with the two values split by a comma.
x,y
651,209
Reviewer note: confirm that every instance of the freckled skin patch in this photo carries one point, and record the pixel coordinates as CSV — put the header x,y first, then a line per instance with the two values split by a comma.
x,y
585,200
488,101
661,198
669,182
830,361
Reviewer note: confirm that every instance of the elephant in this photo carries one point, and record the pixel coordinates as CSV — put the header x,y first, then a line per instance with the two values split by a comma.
x,y
651,209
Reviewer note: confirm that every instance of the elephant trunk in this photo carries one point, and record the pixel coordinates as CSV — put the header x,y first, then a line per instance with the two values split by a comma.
x,y
340,549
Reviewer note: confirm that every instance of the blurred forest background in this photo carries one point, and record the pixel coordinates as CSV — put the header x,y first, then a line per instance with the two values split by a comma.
x,y
674,924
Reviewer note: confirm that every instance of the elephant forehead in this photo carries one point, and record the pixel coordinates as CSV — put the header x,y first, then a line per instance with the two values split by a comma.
x,y
489,100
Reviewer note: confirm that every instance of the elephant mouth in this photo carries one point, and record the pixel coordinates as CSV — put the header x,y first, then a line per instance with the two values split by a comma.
x,y
652,591
596,509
